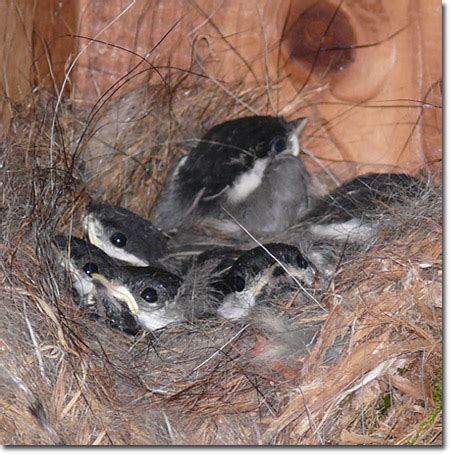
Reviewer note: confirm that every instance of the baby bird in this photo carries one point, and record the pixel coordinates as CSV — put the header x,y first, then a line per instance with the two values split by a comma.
x,y
349,212
256,270
82,260
124,235
147,294
247,166
347,218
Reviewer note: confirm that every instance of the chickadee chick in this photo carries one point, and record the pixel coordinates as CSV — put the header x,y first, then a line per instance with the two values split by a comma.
x,y
347,213
147,294
248,166
81,259
259,268
348,217
124,235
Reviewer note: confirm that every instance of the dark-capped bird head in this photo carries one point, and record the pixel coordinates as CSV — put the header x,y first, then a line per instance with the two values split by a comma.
x,y
226,166
147,293
234,154
259,268
81,259
124,235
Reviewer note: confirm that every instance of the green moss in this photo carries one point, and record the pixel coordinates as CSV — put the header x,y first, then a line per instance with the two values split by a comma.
x,y
403,370
385,404
435,412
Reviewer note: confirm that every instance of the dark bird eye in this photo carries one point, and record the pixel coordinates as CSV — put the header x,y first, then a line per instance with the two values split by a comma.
x,y
237,283
301,262
277,271
118,239
150,295
90,268
279,146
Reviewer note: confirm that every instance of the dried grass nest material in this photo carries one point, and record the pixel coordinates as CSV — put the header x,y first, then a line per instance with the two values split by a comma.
x,y
367,372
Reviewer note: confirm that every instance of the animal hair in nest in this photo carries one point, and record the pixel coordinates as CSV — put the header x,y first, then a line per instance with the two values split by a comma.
x,y
293,373
128,148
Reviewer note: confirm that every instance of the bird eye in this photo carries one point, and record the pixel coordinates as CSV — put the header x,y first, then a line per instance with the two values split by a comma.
x,y
301,262
277,271
237,283
118,239
150,295
90,268
279,146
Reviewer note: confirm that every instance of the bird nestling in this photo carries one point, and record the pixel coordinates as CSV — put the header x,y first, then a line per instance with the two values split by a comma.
x,y
82,260
124,235
129,298
349,212
248,166
348,217
147,293
259,269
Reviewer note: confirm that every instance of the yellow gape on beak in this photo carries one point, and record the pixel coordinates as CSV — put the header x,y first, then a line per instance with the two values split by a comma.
x,y
90,229
118,291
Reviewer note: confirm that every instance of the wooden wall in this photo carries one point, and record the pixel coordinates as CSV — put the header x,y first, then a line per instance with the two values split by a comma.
x,y
33,49
369,70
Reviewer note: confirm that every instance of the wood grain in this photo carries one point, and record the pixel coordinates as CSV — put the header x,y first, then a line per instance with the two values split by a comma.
x,y
368,73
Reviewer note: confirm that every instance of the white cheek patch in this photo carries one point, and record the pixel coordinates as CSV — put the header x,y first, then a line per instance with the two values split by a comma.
x,y
90,300
247,182
157,319
122,255
96,236
238,304
353,230
326,267
82,284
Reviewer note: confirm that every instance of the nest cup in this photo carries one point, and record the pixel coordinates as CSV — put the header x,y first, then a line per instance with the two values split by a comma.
x,y
367,370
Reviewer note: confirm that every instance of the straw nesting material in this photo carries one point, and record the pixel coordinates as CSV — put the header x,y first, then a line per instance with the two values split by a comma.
x,y
365,371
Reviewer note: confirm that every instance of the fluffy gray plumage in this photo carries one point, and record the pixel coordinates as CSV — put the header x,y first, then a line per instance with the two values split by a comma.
x,y
249,167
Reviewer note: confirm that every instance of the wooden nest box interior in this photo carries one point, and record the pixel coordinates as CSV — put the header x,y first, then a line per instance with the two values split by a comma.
x,y
367,74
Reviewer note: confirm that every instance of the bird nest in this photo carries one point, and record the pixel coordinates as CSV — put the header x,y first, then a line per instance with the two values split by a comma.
x,y
362,367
